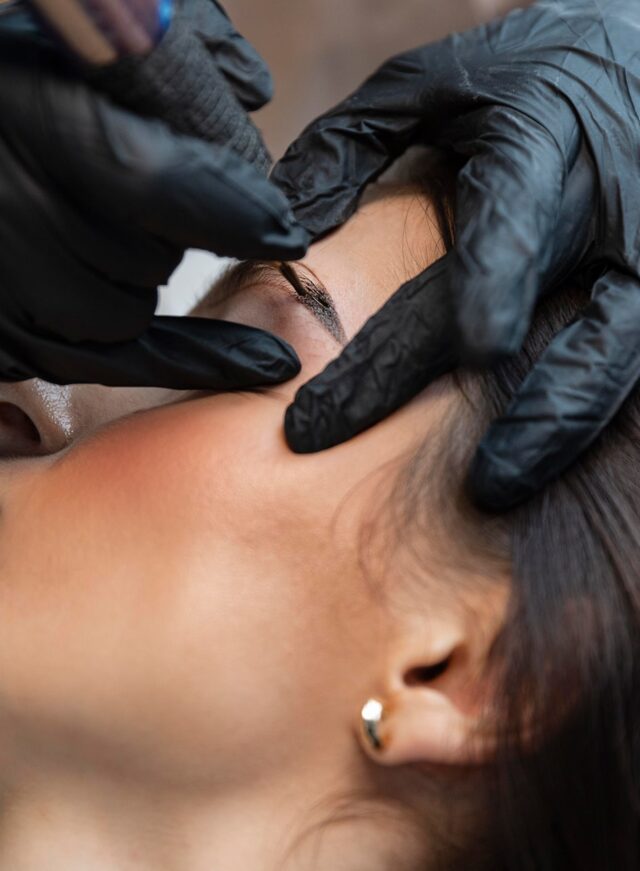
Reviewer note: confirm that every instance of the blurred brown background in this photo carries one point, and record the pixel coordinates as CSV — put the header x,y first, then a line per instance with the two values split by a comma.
x,y
319,50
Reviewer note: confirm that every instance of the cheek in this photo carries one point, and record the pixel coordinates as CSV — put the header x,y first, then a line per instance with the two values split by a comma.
x,y
155,604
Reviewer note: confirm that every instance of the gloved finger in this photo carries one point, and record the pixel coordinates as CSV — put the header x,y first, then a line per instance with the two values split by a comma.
x,y
142,175
244,69
211,199
326,169
568,398
401,349
509,197
181,82
572,238
175,352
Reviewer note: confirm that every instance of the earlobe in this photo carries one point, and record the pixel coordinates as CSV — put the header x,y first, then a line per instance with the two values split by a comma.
x,y
423,725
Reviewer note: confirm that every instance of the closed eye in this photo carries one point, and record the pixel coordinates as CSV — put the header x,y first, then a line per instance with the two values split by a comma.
x,y
299,281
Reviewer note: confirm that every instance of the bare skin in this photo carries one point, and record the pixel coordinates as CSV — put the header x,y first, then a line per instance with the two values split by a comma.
x,y
187,631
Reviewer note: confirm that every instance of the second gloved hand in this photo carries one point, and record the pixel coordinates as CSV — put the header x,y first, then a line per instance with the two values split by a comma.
x,y
544,107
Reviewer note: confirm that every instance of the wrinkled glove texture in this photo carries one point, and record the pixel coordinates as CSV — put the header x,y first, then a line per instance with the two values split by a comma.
x,y
98,203
543,108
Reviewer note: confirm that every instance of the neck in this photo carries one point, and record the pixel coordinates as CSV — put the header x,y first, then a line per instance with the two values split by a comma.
x,y
77,822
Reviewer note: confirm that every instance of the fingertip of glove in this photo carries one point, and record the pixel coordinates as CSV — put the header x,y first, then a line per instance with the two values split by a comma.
x,y
245,70
281,370
291,243
257,357
278,361
319,216
262,91
485,341
306,426
493,313
297,431
317,206
495,484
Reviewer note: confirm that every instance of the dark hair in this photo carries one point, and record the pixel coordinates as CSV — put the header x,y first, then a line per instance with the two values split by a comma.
x,y
565,787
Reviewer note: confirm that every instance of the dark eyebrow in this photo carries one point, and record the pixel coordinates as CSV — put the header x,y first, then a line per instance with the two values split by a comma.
x,y
307,287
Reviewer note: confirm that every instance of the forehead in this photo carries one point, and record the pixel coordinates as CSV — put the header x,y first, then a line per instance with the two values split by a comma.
x,y
393,237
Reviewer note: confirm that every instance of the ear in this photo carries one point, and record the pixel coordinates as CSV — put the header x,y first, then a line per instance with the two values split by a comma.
x,y
437,691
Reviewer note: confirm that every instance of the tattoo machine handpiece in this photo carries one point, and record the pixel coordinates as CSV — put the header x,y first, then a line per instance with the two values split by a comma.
x,y
98,32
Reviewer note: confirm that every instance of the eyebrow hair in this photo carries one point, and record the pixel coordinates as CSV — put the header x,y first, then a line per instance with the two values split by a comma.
x,y
312,293
308,289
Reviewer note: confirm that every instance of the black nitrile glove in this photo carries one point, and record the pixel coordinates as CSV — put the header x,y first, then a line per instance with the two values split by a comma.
x,y
201,79
545,105
98,204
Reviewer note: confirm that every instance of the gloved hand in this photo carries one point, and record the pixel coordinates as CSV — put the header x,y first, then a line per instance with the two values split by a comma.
x,y
545,105
98,204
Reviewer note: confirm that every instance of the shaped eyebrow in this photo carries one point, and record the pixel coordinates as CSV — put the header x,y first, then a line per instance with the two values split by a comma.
x,y
312,293
298,278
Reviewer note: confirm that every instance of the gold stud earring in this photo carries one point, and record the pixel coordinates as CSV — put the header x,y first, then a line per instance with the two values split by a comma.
x,y
371,715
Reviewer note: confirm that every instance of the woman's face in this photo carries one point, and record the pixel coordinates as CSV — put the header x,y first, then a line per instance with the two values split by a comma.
x,y
183,599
